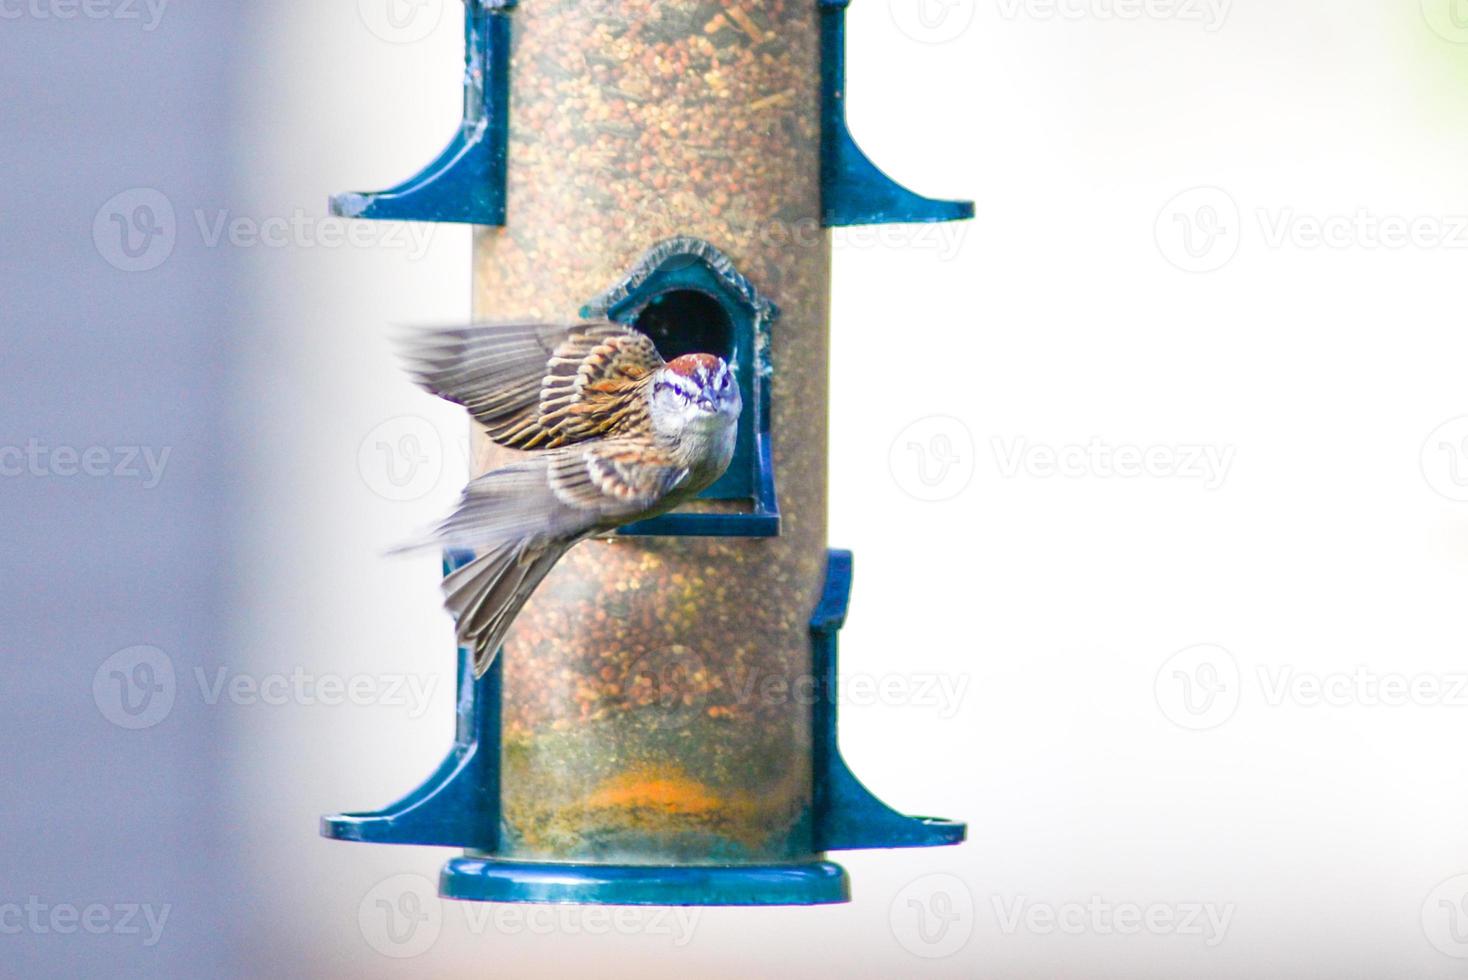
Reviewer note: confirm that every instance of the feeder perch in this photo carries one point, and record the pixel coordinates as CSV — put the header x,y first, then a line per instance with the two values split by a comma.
x,y
660,727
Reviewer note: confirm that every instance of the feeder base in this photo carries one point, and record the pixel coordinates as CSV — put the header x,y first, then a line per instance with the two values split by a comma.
x,y
488,879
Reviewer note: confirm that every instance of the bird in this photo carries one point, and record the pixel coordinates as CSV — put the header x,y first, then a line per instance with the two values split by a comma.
x,y
615,434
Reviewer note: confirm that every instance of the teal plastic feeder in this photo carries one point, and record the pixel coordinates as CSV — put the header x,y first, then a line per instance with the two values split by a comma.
x,y
660,728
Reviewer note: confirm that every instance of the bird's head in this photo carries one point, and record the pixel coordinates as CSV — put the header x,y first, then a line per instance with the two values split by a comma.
x,y
694,391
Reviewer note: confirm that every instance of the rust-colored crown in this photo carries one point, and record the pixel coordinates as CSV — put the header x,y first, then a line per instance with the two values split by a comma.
x,y
691,365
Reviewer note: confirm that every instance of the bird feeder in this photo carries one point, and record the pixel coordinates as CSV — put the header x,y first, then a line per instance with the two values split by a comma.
x,y
660,727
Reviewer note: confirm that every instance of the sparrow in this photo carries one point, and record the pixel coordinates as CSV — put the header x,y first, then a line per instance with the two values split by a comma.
x,y
616,435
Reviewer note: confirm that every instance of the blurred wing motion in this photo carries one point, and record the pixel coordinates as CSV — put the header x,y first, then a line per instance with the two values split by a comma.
x,y
538,386
551,388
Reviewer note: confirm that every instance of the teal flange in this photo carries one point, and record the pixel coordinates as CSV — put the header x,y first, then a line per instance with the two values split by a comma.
x,y
466,181
488,879
855,191
459,806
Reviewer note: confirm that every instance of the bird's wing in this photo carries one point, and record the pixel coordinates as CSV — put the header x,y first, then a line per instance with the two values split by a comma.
x,y
523,517
535,385
621,479
564,493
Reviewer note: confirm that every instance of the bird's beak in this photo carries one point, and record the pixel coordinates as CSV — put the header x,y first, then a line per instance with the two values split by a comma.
x,y
706,404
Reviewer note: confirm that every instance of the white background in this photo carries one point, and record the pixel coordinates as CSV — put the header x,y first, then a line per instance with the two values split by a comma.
x,y
1329,551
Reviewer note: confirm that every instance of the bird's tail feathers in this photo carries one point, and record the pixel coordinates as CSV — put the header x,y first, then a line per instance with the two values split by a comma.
x,y
487,594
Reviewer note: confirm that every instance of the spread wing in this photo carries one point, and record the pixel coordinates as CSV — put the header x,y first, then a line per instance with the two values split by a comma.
x,y
535,385
563,494
621,479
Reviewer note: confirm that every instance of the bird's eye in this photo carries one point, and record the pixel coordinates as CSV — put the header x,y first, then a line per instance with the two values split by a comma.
x,y
724,383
